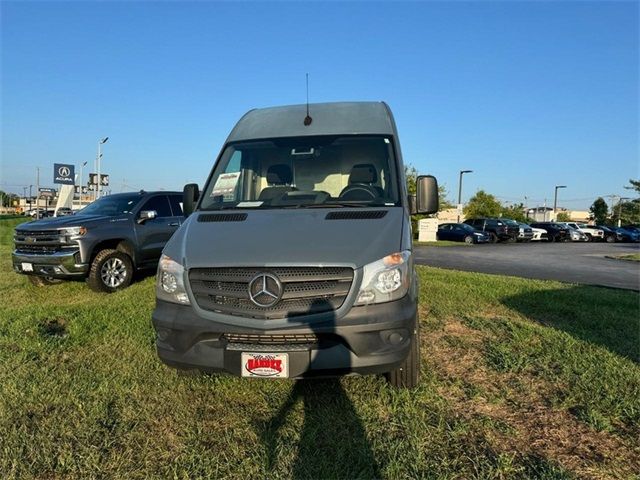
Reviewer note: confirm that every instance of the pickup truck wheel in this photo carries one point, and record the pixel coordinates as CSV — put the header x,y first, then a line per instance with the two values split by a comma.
x,y
43,281
468,239
111,270
589,237
407,375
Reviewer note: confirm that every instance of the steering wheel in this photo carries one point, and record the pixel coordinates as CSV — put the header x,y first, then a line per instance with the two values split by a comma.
x,y
359,191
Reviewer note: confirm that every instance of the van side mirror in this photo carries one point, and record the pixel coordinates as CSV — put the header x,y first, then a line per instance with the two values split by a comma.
x,y
427,195
147,215
413,209
190,195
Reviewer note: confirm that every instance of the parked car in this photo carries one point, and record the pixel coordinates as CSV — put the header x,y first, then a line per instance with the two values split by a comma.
x,y
63,212
627,234
575,234
44,213
105,242
609,233
496,228
525,233
555,231
286,267
461,232
539,234
592,233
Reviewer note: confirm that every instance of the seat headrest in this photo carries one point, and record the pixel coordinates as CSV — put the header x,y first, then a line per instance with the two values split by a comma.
x,y
363,173
279,175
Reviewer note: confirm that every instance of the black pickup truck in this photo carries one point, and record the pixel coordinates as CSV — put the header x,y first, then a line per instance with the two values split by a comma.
x,y
105,242
497,228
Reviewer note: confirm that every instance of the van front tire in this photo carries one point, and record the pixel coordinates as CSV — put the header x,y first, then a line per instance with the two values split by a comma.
x,y
408,374
111,270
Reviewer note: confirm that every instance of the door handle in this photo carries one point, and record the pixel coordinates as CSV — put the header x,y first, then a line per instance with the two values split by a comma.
x,y
174,224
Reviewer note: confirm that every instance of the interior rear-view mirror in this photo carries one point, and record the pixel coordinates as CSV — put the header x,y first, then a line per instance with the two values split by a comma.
x,y
427,195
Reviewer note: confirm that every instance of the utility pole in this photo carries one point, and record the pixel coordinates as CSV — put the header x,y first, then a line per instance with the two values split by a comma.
x,y
37,193
462,172
620,199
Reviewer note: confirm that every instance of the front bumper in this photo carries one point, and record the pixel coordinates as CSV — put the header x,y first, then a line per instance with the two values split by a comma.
x,y
367,340
62,264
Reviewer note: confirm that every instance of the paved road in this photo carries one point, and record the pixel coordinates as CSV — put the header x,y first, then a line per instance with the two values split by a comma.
x,y
584,263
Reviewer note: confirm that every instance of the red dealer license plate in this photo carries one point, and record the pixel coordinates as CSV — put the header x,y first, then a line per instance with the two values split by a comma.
x,y
265,365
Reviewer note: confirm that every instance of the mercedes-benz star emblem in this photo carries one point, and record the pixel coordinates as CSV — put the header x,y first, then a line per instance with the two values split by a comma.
x,y
265,290
64,171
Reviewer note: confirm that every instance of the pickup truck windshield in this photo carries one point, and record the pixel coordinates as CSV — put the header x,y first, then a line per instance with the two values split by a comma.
x,y
327,171
112,205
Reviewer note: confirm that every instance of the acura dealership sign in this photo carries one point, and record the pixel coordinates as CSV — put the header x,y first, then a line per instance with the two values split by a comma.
x,y
64,174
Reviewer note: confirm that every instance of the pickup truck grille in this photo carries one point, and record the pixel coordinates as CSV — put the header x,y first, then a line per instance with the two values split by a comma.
x,y
305,290
41,242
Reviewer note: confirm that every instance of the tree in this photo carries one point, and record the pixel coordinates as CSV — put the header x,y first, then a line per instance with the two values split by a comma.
x,y
627,212
599,210
633,185
515,212
483,204
563,217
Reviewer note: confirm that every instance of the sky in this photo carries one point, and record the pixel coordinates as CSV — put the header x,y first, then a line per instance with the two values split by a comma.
x,y
528,95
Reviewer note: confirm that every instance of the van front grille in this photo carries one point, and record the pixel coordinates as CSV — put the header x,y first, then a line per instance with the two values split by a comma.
x,y
305,290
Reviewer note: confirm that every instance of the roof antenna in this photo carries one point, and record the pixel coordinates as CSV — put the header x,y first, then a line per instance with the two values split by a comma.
x,y
307,119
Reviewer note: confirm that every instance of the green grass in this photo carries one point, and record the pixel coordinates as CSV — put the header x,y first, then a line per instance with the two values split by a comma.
x,y
633,257
521,379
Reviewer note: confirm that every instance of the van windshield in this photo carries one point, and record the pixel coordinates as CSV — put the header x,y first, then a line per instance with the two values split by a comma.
x,y
327,171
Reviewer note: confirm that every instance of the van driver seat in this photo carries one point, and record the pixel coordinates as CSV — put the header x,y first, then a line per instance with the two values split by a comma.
x,y
362,184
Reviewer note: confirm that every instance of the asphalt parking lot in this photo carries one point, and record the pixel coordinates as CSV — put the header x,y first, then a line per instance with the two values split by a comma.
x,y
585,263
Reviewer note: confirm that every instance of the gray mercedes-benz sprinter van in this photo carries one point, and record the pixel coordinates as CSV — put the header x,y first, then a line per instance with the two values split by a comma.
x,y
296,258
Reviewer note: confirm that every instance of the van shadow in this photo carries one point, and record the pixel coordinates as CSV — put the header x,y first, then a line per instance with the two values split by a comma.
x,y
602,316
333,441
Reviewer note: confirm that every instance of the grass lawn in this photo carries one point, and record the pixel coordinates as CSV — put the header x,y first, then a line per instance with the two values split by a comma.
x,y
521,379
633,257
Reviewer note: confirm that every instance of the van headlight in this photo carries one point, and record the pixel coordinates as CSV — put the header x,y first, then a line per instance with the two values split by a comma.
x,y
385,280
170,281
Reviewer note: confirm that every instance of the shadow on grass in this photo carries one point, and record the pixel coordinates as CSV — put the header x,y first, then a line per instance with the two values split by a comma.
x,y
333,441
606,317
332,444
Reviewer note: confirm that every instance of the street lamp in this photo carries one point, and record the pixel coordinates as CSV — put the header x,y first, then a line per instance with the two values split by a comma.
x,y
462,172
80,182
555,201
620,209
99,161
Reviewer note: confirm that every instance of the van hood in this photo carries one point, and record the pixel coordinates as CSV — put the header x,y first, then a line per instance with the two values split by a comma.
x,y
287,237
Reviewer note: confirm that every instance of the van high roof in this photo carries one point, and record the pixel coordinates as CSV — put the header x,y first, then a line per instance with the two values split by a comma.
x,y
340,118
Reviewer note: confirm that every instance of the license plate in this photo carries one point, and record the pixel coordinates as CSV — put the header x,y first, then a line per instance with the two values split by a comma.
x,y
27,267
265,365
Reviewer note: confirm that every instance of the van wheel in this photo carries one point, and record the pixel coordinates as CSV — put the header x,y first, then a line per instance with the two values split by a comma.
x,y
468,239
44,281
110,271
407,375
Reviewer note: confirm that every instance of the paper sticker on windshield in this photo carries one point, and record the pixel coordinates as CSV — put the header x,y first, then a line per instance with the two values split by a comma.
x,y
226,185
249,204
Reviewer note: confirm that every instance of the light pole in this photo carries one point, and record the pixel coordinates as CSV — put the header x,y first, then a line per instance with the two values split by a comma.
x,y
80,186
462,172
555,201
99,160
